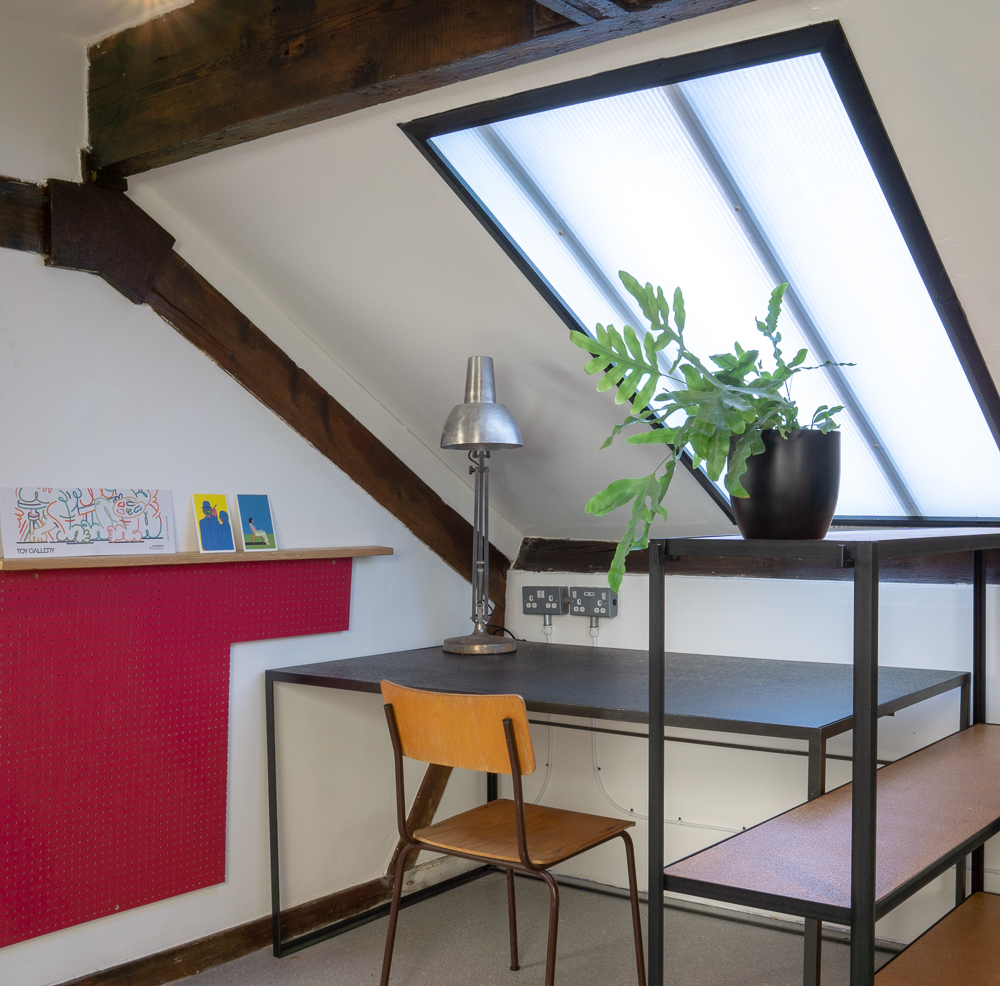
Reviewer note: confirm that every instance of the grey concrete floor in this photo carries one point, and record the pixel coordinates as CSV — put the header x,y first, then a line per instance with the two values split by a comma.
x,y
460,939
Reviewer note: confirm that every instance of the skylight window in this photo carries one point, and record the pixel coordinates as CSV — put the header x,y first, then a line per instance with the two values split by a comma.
x,y
727,184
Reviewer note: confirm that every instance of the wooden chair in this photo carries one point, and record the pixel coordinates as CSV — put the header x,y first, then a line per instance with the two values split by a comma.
x,y
490,733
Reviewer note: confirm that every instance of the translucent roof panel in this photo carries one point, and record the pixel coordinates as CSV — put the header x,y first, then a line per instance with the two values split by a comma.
x,y
634,182
787,140
517,215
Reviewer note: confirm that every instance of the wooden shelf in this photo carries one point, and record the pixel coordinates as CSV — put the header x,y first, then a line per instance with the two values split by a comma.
x,y
189,558
963,947
934,806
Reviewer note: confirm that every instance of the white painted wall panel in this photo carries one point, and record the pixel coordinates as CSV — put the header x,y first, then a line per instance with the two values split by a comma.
x,y
42,102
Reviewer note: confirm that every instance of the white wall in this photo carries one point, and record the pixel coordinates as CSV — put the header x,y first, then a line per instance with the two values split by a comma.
x,y
96,390
395,433
42,103
715,791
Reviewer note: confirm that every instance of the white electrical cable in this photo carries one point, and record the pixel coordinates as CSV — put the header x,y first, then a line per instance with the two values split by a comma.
x,y
631,812
594,628
548,769
547,630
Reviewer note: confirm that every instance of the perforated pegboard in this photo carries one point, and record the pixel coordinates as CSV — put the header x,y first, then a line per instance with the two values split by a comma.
x,y
114,708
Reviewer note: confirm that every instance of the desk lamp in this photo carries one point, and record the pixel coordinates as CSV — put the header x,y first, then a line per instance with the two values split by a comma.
x,y
480,426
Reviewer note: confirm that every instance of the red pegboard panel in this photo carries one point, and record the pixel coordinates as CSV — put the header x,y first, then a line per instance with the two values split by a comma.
x,y
114,712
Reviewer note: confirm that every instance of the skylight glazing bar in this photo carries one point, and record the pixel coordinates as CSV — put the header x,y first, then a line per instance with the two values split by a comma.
x,y
508,160
768,257
545,208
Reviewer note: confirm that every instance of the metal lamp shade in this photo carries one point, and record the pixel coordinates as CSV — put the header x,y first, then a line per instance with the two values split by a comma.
x,y
480,423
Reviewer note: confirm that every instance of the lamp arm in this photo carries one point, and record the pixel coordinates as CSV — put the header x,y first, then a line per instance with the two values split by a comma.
x,y
480,539
485,589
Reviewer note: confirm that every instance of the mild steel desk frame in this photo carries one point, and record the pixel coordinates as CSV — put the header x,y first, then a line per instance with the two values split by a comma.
x,y
798,700
863,551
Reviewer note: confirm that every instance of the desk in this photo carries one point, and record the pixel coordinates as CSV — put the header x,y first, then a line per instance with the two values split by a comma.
x,y
793,699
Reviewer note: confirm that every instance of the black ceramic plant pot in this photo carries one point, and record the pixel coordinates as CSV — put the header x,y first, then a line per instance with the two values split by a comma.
x,y
793,486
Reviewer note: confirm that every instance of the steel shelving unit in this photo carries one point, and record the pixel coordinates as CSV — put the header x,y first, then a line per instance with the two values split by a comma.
x,y
822,860
963,947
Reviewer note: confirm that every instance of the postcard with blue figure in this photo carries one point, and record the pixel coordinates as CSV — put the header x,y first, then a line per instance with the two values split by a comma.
x,y
255,522
42,521
211,518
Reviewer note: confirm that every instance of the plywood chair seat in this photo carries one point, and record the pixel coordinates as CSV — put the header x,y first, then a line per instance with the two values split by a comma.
x,y
553,834
490,733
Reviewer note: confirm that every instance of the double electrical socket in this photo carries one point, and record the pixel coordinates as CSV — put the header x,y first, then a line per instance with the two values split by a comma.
x,y
592,601
556,600
544,600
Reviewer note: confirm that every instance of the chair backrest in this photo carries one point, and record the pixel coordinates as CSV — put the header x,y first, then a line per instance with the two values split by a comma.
x,y
460,730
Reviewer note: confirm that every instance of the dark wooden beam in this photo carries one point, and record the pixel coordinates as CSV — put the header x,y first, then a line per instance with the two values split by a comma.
x,y
584,11
547,21
422,811
105,233
221,72
594,558
23,210
184,299
608,8
571,11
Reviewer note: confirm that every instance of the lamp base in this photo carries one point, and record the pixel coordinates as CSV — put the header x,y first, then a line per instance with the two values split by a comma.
x,y
479,642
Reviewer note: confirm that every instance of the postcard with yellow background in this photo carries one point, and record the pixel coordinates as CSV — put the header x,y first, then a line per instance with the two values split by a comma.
x,y
211,517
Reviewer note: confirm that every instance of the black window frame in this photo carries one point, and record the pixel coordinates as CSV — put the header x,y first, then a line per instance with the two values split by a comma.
x,y
828,40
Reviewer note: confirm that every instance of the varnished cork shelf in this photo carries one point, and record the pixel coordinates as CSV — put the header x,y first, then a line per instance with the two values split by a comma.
x,y
190,558
963,947
933,806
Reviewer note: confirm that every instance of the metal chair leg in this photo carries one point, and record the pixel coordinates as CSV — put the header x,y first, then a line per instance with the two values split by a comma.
x,y
512,918
397,890
550,956
633,893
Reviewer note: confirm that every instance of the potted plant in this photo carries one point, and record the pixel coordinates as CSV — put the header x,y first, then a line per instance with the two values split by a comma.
x,y
735,416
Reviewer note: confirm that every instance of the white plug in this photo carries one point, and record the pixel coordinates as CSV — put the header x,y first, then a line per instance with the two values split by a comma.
x,y
594,602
